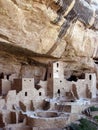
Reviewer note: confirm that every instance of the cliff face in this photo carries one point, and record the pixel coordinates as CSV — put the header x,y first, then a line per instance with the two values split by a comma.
x,y
26,32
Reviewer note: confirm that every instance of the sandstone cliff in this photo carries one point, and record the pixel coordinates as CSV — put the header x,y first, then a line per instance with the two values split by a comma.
x,y
27,35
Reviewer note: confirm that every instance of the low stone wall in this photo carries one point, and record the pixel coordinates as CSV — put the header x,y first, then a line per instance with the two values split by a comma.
x,y
58,122
46,120
18,128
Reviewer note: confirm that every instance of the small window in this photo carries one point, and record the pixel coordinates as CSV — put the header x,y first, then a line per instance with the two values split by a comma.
x,y
2,75
60,81
25,93
90,77
24,80
57,64
58,91
40,93
7,77
29,80
50,75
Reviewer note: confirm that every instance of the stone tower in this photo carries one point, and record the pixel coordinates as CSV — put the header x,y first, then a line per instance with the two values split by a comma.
x,y
56,79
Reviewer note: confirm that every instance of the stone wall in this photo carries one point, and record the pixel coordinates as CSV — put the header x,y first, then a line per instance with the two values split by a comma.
x,y
60,85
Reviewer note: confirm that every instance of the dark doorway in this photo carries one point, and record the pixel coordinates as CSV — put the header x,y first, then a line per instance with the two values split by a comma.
x,y
40,93
58,92
25,93
90,77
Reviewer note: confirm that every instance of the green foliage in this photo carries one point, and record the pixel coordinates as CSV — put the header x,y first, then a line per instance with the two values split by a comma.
x,y
96,118
75,127
93,108
84,125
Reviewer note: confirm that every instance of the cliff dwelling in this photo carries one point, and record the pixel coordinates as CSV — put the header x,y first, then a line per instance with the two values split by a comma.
x,y
48,65
23,106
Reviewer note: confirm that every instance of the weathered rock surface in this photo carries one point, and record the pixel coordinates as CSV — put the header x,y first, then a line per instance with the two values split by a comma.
x,y
26,32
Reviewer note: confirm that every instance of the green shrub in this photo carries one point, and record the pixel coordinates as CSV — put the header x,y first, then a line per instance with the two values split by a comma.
x,y
87,125
93,108
84,125
75,127
96,118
